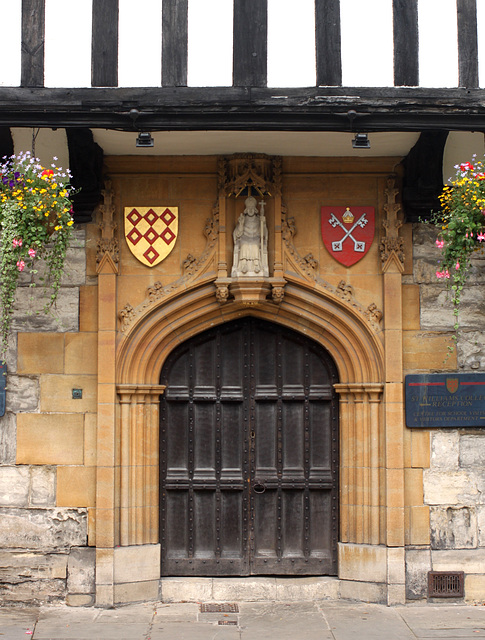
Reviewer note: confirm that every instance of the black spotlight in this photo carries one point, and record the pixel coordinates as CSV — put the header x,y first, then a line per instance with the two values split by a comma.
x,y
144,139
361,141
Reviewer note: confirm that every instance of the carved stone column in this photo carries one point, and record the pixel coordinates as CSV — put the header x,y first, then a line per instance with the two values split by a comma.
x,y
139,431
107,535
392,255
360,462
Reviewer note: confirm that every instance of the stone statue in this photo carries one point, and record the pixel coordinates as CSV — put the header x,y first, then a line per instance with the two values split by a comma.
x,y
251,242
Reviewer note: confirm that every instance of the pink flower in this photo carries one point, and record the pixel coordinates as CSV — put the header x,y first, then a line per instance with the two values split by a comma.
x,y
440,244
480,237
17,242
32,253
443,274
20,265
457,266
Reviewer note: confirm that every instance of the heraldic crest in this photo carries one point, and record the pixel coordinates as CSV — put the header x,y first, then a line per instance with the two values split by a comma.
x,y
347,232
151,232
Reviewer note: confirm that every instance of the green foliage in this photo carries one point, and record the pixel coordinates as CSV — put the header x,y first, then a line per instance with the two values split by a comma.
x,y
461,222
35,222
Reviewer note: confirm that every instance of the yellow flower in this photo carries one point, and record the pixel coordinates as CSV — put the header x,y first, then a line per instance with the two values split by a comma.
x,y
70,223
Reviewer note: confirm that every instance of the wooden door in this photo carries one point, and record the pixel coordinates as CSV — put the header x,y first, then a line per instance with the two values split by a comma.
x,y
249,454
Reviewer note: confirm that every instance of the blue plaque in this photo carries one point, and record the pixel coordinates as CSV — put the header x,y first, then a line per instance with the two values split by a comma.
x,y
3,387
445,400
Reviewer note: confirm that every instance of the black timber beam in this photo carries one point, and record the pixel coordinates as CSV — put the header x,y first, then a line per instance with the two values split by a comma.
x,y
174,43
33,33
104,45
467,43
241,108
423,176
6,142
406,42
328,42
250,43
86,165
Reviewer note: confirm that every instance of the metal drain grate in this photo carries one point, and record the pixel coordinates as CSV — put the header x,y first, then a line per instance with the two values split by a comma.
x,y
219,607
227,622
446,584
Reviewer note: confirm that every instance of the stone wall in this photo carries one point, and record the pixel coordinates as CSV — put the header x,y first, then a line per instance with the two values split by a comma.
x,y
454,484
44,533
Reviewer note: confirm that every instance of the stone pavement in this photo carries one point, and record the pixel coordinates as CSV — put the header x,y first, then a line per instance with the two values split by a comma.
x,y
321,620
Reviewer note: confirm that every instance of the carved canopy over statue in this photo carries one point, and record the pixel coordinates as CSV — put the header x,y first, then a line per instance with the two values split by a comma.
x,y
251,242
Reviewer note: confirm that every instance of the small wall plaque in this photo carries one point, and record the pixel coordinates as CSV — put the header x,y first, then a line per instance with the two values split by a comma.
x,y
3,387
445,400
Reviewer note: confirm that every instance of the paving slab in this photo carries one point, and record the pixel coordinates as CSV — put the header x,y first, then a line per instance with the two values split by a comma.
x,y
318,620
370,621
17,623
284,621
55,630
194,631
177,612
455,622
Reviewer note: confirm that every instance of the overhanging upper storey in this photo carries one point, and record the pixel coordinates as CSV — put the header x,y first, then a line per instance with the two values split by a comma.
x,y
247,102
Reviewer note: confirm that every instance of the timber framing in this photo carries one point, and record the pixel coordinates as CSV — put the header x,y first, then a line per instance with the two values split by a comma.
x,y
245,108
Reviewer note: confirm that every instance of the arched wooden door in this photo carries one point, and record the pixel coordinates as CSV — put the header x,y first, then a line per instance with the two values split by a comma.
x,y
249,454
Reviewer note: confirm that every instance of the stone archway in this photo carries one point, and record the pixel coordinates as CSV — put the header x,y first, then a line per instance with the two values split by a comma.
x,y
352,343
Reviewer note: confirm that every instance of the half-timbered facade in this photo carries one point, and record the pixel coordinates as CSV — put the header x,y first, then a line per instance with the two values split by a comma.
x,y
222,394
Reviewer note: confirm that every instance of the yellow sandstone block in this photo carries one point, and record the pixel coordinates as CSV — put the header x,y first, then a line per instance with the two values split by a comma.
x,y
81,354
40,353
410,307
420,448
88,308
90,433
50,439
419,525
76,486
395,527
56,393
413,487
423,351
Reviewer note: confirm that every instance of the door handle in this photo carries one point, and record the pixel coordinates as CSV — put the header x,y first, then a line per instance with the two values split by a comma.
x,y
259,488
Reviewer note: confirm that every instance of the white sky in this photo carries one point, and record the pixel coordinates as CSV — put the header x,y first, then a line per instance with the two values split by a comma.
x,y
366,43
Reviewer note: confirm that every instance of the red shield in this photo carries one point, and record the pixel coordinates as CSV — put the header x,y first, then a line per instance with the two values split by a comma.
x,y
348,232
452,384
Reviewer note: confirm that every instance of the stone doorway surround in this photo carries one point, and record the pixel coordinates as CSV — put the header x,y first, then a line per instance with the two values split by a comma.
x,y
369,361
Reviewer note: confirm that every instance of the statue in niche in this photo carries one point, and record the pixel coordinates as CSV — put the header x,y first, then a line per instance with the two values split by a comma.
x,y
251,242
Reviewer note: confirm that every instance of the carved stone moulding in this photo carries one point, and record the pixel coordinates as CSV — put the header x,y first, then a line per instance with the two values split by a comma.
x,y
250,291
256,170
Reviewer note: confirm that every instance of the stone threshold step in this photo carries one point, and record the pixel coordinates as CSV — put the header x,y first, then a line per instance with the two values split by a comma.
x,y
250,589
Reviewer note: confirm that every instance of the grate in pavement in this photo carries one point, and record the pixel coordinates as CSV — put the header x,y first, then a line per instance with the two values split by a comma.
x,y
227,622
219,607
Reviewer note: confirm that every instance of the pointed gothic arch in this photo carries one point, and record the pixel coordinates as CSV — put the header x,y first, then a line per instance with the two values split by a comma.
x,y
351,341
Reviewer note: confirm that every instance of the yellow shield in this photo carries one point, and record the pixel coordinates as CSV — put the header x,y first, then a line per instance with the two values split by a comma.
x,y
151,232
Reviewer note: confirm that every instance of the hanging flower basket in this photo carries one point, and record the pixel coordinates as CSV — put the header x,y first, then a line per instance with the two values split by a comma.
x,y
461,223
35,222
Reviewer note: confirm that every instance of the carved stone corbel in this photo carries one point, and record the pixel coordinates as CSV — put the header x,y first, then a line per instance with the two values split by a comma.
x,y
277,293
373,313
222,290
392,245
108,243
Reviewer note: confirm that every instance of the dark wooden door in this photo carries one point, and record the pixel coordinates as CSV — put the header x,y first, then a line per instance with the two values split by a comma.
x,y
249,454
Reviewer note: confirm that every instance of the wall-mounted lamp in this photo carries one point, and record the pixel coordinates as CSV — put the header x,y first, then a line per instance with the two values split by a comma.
x,y
361,141
144,139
